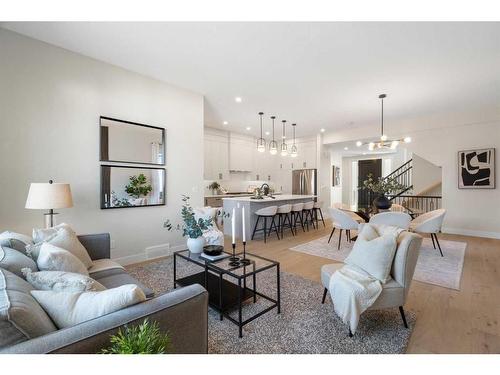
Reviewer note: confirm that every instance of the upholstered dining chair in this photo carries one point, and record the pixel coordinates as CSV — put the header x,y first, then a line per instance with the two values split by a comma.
x,y
395,291
430,223
395,219
343,221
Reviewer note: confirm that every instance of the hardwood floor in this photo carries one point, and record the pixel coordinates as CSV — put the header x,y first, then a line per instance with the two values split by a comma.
x,y
448,321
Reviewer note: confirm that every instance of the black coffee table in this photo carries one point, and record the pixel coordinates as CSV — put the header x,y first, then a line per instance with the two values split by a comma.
x,y
225,295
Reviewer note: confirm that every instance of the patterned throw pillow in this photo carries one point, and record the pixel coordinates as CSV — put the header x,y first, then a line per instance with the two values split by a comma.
x,y
53,258
16,241
60,281
14,261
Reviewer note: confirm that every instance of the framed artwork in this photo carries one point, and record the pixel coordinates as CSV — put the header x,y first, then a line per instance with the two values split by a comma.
x,y
335,175
476,169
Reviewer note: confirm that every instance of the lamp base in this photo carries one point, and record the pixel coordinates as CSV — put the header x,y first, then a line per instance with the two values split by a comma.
x,y
50,219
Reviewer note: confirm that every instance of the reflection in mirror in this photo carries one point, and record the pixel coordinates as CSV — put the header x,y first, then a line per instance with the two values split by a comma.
x,y
132,186
124,141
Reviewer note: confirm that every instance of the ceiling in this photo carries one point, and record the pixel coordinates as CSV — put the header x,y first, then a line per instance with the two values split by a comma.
x,y
319,75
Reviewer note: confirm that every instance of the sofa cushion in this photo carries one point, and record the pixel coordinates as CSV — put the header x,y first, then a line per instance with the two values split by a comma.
x,y
14,261
69,309
21,317
103,265
66,239
53,258
58,281
115,277
16,241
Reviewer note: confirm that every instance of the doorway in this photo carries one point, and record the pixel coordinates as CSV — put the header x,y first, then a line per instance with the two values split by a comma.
x,y
366,167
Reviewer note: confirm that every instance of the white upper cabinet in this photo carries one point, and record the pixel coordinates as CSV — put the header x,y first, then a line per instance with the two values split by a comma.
x,y
242,151
307,151
216,154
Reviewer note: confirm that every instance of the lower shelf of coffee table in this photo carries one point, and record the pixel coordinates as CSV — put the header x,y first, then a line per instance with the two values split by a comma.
x,y
229,290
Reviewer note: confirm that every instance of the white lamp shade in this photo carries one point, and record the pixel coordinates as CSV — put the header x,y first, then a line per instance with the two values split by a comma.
x,y
46,196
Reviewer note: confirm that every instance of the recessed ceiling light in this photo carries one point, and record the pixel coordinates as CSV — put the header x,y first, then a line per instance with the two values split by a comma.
x,y
238,99
248,128
267,133
225,123
359,143
322,130
364,153
346,148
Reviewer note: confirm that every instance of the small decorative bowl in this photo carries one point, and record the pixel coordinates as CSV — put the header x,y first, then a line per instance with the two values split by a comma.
x,y
213,249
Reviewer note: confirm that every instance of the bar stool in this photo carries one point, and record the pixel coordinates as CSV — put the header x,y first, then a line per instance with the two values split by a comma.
x,y
307,214
296,214
284,215
266,212
317,208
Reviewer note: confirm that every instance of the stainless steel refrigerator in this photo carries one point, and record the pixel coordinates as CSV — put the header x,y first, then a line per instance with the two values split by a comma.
x,y
304,182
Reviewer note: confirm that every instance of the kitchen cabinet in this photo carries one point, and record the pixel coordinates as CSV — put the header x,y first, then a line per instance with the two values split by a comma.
x,y
242,150
216,156
306,158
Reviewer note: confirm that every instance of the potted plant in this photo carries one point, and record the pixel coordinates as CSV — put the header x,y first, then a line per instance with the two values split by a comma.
x,y
191,227
214,186
381,188
138,186
145,338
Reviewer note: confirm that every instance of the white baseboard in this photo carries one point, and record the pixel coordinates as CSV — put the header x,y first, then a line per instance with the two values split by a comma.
x,y
150,253
470,232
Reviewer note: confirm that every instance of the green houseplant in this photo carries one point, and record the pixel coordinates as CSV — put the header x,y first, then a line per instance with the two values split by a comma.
x,y
145,338
138,186
214,186
191,227
381,187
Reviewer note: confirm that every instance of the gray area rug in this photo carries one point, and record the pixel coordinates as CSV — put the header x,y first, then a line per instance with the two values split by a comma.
x,y
431,267
304,325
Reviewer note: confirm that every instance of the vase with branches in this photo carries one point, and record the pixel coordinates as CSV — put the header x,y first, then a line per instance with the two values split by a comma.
x,y
214,186
381,187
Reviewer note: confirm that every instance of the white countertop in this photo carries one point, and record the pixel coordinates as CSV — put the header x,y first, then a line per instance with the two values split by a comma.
x,y
234,195
282,197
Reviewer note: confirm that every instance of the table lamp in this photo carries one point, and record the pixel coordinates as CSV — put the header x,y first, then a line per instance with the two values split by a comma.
x,y
49,196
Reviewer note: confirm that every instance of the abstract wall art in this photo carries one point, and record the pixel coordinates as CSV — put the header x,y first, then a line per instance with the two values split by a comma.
x,y
476,169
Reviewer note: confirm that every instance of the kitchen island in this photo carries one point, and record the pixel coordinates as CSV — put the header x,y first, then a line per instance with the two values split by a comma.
x,y
252,205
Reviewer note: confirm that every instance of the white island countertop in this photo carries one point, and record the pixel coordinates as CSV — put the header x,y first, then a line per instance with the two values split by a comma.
x,y
277,198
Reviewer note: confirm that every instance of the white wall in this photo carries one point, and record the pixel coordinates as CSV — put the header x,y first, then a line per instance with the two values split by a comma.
x,y
50,103
425,176
438,139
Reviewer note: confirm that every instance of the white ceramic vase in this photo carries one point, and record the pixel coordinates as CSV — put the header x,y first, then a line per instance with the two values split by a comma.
x,y
195,245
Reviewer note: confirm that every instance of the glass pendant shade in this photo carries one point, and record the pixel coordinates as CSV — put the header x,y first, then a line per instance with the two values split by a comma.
x,y
261,145
273,147
284,147
293,152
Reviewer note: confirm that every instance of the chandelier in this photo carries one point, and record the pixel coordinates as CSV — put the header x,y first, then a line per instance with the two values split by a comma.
x,y
384,143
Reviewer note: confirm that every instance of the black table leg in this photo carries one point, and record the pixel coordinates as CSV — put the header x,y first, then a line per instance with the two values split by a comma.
x,y
278,287
206,276
254,285
240,326
221,313
175,271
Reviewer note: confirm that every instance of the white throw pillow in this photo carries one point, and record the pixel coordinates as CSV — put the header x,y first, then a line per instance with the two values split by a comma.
x,y
66,239
43,234
69,309
60,281
53,258
374,250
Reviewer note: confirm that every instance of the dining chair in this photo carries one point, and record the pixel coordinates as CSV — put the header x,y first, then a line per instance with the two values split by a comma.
x,y
343,221
430,223
395,219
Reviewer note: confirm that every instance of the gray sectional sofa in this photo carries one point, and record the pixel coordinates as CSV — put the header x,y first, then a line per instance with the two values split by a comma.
x,y
182,312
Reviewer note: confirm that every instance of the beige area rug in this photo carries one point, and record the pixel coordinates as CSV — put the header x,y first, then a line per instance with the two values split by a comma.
x,y
431,267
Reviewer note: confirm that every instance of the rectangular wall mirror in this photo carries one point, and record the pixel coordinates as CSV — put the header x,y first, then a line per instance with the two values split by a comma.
x,y
123,187
130,142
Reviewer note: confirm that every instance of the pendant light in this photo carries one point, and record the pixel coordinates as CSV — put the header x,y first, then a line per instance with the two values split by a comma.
x,y
385,142
261,142
273,145
294,152
284,147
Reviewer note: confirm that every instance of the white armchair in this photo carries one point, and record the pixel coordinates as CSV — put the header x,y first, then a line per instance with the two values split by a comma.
x,y
213,236
395,219
431,223
395,291
343,221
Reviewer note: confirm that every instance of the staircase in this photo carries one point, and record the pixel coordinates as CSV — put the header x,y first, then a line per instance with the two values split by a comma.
x,y
415,204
